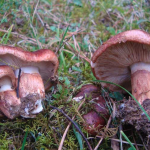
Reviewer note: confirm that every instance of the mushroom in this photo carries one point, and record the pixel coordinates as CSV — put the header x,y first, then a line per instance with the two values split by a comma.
x,y
35,71
31,91
97,115
9,103
125,59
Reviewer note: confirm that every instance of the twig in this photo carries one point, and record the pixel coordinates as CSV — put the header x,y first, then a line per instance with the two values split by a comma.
x,y
117,140
98,143
84,57
65,133
135,142
121,146
35,10
15,34
60,110
18,82
27,15
77,47
143,142
77,32
40,19
114,144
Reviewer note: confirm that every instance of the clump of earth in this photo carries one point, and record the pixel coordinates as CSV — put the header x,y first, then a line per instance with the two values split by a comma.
x,y
130,113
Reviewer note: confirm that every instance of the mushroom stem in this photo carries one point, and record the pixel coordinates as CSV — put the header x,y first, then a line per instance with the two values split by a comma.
x,y
9,103
140,81
29,69
5,84
30,83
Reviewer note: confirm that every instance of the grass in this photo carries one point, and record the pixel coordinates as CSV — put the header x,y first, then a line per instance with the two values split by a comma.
x,y
73,30
128,140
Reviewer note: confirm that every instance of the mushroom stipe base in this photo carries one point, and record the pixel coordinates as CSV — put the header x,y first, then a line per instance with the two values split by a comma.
x,y
29,105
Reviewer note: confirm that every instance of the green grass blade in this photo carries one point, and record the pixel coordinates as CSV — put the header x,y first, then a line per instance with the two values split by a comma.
x,y
78,136
24,140
27,9
128,140
128,93
62,59
6,35
61,42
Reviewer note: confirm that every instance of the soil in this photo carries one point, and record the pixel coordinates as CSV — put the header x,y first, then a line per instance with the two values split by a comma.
x,y
130,113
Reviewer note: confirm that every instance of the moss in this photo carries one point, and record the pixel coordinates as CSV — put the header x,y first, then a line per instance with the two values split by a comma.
x,y
4,141
91,26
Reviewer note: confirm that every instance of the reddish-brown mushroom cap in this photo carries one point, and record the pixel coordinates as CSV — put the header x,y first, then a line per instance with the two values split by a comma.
x,y
9,103
89,91
96,118
93,122
45,60
119,58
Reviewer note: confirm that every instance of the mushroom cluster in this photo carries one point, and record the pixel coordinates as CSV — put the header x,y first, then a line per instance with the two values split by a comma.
x,y
97,115
125,60
24,77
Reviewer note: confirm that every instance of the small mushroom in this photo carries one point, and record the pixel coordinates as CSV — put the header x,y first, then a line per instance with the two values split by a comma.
x,y
9,103
98,114
125,59
33,71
